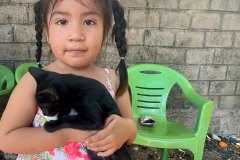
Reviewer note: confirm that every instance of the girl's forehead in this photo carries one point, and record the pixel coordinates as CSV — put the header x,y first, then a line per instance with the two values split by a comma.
x,y
67,6
91,4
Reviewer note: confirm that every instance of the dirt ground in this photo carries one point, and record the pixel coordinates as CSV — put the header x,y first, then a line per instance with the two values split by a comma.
x,y
148,153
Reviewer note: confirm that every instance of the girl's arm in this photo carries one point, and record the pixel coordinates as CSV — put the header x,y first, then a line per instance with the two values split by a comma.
x,y
16,132
124,105
118,130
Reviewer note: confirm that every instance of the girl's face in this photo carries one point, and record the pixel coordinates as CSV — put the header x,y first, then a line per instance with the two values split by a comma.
x,y
75,32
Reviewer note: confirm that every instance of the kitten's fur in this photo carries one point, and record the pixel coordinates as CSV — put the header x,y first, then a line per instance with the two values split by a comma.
x,y
59,94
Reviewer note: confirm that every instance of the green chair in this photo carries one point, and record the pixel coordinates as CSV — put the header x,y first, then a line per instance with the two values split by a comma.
x,y
22,69
150,86
7,80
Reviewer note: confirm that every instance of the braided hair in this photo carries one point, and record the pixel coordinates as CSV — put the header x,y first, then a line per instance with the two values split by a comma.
x,y
118,33
108,8
39,30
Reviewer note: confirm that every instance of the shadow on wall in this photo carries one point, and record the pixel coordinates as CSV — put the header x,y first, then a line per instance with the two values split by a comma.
x,y
179,109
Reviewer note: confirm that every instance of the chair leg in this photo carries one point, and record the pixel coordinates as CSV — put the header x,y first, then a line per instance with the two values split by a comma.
x,y
198,155
165,153
198,152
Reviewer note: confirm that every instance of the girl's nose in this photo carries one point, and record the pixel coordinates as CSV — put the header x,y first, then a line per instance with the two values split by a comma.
x,y
76,33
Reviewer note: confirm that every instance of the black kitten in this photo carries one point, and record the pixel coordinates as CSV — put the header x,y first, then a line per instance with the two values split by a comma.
x,y
79,102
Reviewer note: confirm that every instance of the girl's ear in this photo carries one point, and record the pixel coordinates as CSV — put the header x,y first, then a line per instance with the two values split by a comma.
x,y
37,73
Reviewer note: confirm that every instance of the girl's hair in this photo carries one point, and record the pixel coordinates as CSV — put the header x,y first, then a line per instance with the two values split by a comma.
x,y
108,8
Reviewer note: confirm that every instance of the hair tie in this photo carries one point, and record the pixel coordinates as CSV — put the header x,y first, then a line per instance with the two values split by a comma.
x,y
122,58
39,65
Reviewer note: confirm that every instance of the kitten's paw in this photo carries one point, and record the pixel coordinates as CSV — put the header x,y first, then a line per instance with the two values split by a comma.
x,y
49,127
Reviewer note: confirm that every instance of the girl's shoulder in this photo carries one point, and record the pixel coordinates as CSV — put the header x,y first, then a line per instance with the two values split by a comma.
x,y
112,72
27,80
113,76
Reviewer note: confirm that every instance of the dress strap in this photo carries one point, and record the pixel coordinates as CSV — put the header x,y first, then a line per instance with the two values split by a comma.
x,y
109,82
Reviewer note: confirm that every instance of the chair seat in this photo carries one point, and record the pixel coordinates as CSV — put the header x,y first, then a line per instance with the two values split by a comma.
x,y
164,133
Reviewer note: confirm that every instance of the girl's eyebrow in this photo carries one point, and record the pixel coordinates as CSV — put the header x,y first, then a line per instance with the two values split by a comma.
x,y
84,14
91,13
60,12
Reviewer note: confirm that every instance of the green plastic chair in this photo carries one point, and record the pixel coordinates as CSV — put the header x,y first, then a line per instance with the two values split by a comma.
x,y
7,80
150,86
22,69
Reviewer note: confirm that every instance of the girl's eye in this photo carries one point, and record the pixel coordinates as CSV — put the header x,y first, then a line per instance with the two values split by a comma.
x,y
62,22
89,22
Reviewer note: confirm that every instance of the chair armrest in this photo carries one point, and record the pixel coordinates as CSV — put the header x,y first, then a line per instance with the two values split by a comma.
x,y
205,107
195,98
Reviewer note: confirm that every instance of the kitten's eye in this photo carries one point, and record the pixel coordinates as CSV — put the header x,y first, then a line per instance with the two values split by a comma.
x,y
89,22
62,22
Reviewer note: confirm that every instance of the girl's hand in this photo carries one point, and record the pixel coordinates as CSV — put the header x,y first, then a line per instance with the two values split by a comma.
x,y
116,132
76,135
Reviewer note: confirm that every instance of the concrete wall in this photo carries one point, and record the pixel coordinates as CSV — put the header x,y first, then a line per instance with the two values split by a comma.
x,y
199,38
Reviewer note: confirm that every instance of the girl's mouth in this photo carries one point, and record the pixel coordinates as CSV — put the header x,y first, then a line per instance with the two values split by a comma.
x,y
76,52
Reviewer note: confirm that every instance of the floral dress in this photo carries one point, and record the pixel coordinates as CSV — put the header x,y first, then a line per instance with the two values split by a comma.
x,y
71,151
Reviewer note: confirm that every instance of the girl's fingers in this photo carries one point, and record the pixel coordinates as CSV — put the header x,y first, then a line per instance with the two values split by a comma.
x,y
106,153
108,140
109,119
101,149
100,135
103,142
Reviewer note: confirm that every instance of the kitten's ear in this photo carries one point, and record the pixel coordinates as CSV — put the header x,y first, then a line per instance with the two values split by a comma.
x,y
37,73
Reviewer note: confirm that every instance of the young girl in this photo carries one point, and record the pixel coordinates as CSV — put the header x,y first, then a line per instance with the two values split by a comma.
x,y
75,31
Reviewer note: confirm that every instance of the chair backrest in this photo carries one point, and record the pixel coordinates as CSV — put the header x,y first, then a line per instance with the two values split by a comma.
x,y
7,80
23,69
150,86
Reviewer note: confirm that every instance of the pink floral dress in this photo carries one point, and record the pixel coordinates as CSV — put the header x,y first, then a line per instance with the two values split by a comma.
x,y
71,151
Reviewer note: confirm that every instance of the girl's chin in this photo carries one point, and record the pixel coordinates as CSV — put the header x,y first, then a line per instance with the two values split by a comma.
x,y
79,65
74,63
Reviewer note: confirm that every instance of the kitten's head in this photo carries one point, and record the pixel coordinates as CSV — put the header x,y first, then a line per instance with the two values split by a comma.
x,y
48,101
50,91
